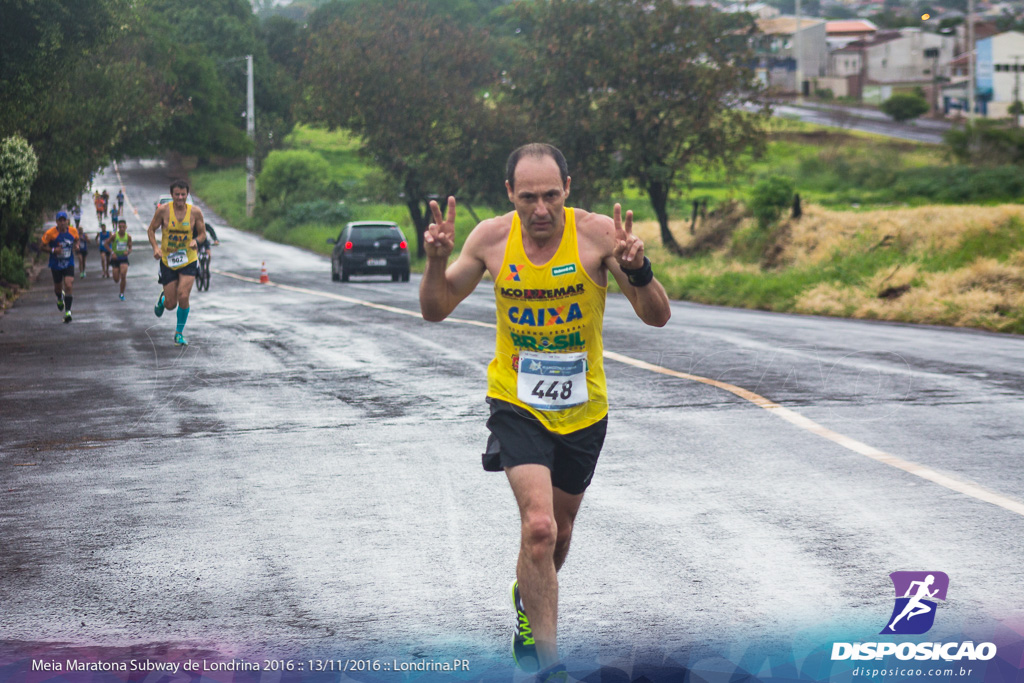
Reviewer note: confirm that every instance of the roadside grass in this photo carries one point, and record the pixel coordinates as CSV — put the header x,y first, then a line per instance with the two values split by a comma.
x,y
881,236
944,265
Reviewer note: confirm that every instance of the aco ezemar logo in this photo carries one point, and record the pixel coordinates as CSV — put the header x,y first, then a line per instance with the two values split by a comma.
x,y
918,595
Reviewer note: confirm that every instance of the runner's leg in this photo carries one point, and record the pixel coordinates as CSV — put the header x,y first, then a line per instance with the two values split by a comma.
x,y
566,506
185,283
171,295
535,569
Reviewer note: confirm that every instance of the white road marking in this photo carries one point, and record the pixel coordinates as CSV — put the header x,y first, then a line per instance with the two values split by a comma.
x,y
967,488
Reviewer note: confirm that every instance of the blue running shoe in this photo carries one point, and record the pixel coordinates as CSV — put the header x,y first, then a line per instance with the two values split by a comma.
x,y
159,308
180,340
122,297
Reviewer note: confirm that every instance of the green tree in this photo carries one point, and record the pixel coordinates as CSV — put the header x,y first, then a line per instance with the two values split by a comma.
x,y
72,92
18,169
638,91
986,143
769,198
415,87
291,176
905,107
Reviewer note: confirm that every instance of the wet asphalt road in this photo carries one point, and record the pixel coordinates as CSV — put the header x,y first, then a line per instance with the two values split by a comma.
x,y
304,478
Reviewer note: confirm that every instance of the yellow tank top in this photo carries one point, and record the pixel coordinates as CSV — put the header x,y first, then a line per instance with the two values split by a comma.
x,y
552,309
175,240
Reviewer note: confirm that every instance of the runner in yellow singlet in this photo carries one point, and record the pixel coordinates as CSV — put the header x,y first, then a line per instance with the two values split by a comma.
x,y
546,384
177,253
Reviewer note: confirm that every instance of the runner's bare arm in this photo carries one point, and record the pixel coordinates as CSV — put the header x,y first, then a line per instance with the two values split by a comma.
x,y
443,287
156,223
649,301
106,242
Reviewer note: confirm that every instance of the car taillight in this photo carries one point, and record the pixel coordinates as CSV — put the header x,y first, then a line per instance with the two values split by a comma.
x,y
348,245
403,245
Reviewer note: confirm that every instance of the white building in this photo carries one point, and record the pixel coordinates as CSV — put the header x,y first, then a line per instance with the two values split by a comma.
x,y
778,51
1000,61
910,56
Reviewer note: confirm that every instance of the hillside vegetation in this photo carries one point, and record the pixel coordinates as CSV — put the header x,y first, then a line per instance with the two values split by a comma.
x,y
873,241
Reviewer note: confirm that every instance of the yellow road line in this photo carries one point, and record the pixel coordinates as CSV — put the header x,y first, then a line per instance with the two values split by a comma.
x,y
965,487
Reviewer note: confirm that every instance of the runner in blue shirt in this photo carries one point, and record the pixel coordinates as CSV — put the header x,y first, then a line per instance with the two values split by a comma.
x,y
101,239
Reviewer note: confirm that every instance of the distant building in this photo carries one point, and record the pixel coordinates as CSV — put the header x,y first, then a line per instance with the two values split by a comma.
x,y
760,10
891,61
842,32
954,94
1000,62
777,47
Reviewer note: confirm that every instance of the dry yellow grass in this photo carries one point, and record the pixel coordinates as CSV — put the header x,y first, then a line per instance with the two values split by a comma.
x,y
978,295
986,293
821,233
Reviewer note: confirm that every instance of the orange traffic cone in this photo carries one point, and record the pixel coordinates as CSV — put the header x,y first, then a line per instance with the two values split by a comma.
x,y
264,278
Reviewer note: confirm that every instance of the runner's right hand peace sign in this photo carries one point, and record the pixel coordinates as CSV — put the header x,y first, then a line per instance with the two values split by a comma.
x,y
439,240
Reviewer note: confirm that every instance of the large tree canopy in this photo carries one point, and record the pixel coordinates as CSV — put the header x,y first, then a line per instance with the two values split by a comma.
x,y
638,91
414,86
87,81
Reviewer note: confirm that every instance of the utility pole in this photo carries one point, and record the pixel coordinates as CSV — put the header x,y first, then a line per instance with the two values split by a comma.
x,y
1015,107
970,61
799,43
250,128
933,53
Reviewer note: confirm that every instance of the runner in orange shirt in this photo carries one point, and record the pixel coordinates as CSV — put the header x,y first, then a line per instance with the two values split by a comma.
x,y
61,241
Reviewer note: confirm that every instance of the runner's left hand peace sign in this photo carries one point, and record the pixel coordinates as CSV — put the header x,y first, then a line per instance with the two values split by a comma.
x,y
629,249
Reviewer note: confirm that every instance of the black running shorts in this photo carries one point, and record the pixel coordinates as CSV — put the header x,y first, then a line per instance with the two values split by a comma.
x,y
169,275
115,261
61,273
518,438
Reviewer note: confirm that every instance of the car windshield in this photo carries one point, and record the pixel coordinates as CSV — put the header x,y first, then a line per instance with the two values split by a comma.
x,y
375,232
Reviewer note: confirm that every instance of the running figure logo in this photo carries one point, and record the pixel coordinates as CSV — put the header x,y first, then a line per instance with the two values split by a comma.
x,y
916,596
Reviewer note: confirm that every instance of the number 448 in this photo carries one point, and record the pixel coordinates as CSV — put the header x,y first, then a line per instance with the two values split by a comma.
x,y
552,391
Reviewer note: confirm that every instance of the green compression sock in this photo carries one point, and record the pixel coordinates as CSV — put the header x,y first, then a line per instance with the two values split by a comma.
x,y
182,317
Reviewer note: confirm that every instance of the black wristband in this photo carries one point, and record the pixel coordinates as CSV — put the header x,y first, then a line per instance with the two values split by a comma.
x,y
642,276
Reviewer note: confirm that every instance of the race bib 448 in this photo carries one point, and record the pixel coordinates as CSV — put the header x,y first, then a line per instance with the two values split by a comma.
x,y
552,381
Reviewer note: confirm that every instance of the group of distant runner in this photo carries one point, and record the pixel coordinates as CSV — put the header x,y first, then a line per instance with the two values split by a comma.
x,y
183,236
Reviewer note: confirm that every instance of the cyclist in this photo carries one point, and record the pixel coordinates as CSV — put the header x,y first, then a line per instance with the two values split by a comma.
x,y
205,253
204,246
101,239
120,245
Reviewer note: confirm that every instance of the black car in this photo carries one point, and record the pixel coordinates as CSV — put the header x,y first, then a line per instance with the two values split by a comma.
x,y
370,248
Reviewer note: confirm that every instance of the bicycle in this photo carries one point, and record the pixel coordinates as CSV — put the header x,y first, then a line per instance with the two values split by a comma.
x,y
203,278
